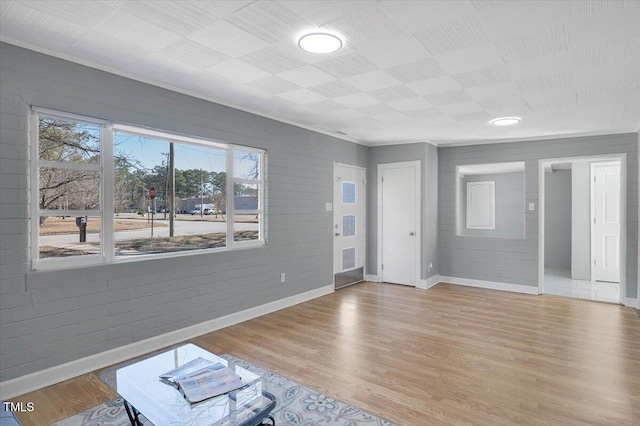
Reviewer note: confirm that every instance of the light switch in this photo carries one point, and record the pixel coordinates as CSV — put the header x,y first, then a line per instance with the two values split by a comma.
x,y
532,207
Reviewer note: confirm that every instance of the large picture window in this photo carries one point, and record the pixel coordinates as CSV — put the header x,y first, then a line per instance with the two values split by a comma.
x,y
110,192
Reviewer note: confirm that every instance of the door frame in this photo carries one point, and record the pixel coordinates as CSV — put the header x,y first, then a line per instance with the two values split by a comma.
x,y
333,212
592,188
417,165
544,164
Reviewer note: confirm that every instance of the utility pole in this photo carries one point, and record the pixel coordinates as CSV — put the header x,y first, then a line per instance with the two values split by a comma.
x,y
171,192
201,194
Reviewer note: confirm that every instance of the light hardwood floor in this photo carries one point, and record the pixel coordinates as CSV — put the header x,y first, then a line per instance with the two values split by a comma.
x,y
447,355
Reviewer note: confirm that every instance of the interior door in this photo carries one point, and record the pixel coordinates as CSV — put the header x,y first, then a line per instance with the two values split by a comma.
x,y
400,239
349,230
606,221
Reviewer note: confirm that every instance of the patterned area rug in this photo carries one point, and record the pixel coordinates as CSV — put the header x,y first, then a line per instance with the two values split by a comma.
x,y
297,405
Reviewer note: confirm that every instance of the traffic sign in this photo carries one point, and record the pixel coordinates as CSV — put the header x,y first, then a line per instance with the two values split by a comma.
x,y
152,192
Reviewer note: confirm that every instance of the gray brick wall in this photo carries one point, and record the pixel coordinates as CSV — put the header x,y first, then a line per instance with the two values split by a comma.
x,y
51,317
516,261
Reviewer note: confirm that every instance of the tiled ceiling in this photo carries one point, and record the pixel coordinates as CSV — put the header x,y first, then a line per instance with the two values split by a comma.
x,y
434,71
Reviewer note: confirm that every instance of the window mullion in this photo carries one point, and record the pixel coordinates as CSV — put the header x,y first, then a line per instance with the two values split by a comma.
x,y
107,193
34,183
230,199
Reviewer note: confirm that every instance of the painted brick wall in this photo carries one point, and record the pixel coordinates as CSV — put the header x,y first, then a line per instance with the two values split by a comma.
x,y
516,261
51,317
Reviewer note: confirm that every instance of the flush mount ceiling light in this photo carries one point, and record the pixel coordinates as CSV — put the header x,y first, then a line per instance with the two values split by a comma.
x,y
319,43
505,121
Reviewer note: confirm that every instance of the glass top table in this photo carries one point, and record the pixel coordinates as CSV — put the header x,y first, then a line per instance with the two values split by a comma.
x,y
138,383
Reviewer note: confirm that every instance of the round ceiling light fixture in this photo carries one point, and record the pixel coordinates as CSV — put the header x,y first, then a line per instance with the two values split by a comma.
x,y
505,121
320,43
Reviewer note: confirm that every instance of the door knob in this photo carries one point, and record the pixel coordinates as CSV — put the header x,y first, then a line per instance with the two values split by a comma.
x,y
412,233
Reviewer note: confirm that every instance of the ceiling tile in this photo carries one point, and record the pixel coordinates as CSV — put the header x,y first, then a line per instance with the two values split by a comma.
x,y
414,71
410,104
377,109
357,100
302,96
546,82
388,54
423,112
268,21
176,16
307,76
346,65
238,71
194,54
273,85
325,106
473,58
462,107
516,18
493,90
549,64
531,45
273,60
84,14
483,77
395,117
134,30
160,68
334,89
394,93
583,10
508,103
227,39
372,81
620,51
320,12
447,98
434,85
37,27
413,15
452,36
365,27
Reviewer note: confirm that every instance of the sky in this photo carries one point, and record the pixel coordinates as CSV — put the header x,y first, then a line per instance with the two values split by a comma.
x,y
152,152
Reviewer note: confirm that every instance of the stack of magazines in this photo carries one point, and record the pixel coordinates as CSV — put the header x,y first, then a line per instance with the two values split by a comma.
x,y
201,379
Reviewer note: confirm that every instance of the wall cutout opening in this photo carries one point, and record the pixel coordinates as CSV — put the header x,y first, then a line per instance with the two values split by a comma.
x,y
490,201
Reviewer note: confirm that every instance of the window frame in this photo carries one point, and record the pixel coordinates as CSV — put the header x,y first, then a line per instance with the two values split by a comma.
x,y
105,168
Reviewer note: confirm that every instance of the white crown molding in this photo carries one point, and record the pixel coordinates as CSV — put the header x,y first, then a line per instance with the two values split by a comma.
x,y
40,379
446,144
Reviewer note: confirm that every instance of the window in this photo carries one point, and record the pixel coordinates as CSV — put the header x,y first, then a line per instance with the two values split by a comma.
x,y
481,205
94,201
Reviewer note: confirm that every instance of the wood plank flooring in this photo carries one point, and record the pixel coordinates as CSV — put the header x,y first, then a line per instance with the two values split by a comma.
x,y
447,355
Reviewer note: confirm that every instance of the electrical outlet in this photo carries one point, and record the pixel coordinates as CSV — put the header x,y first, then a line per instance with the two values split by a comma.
x,y
430,267
282,277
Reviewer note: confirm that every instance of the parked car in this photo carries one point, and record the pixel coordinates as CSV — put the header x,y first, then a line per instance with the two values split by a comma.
x,y
194,211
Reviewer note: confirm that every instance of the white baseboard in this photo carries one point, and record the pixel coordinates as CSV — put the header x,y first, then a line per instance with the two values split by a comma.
x,y
429,282
491,285
372,278
40,379
631,302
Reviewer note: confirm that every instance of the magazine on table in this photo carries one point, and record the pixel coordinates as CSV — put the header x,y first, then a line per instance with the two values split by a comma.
x,y
201,379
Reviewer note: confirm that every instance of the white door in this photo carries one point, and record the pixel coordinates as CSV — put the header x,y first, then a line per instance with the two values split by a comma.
x,y
605,221
349,237
400,222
